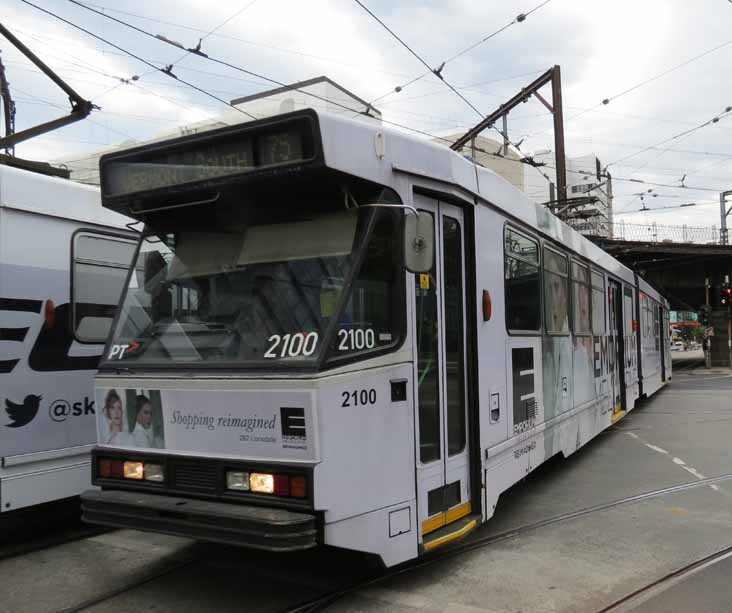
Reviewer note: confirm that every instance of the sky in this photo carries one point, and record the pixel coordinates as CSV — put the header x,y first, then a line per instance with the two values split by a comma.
x,y
604,49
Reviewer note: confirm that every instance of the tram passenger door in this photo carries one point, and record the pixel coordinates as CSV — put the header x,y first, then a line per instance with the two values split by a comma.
x,y
616,352
442,462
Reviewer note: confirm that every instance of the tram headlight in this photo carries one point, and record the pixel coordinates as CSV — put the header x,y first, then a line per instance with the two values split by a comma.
x,y
134,470
154,472
237,480
262,483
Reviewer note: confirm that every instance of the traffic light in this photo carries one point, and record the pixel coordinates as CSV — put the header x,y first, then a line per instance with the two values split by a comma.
x,y
704,315
725,298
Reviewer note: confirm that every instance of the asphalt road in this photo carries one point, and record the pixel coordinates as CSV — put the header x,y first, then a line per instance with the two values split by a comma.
x,y
578,564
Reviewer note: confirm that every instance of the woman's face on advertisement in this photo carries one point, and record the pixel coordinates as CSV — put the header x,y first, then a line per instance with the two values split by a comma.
x,y
115,412
144,415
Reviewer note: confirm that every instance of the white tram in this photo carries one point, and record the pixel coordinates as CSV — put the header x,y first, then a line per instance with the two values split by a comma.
x,y
63,262
340,334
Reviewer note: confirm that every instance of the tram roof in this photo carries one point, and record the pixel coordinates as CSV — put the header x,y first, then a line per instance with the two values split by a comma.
x,y
349,146
57,197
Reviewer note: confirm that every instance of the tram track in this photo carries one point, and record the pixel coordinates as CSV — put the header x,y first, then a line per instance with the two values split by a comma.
x,y
322,602
642,594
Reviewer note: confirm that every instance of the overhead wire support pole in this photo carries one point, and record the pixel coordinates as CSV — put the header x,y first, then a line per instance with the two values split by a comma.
x,y
8,107
553,76
80,107
724,213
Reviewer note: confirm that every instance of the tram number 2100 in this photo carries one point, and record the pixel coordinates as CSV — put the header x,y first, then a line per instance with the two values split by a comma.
x,y
358,398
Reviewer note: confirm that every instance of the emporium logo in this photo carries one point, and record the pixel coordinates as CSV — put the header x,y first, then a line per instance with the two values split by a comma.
x,y
293,422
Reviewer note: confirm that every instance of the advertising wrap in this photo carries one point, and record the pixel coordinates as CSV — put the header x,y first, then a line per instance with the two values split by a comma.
x,y
258,424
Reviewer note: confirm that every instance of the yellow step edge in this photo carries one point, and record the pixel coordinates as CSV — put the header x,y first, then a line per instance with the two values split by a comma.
x,y
452,536
442,519
433,523
458,512
618,416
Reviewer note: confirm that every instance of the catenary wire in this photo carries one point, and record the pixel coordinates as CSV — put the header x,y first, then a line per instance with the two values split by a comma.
x,y
435,71
137,57
355,111
685,133
518,19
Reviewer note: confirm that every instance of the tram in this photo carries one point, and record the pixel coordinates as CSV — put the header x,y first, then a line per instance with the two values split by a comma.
x,y
63,263
338,334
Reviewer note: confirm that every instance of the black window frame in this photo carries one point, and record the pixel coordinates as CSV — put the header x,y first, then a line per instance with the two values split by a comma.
x,y
602,289
588,285
71,323
544,271
508,227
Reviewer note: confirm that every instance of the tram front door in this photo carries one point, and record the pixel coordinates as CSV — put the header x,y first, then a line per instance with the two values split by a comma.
x,y
442,458
616,351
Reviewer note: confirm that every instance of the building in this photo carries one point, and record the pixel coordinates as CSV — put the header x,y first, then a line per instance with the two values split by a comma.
x,y
589,190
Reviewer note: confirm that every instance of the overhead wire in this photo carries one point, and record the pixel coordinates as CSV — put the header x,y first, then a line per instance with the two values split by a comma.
x,y
209,33
137,57
244,41
435,71
685,133
355,111
518,19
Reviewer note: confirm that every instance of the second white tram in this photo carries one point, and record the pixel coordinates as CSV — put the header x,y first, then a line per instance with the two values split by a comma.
x,y
278,378
63,261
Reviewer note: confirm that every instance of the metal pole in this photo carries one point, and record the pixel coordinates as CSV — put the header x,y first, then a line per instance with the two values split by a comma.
x,y
708,352
559,134
610,216
729,326
723,216
505,135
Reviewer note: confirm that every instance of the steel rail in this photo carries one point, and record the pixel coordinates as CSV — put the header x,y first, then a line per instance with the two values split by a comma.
x,y
647,591
322,602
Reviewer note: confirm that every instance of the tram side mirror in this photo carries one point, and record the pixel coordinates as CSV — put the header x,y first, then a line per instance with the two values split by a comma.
x,y
419,241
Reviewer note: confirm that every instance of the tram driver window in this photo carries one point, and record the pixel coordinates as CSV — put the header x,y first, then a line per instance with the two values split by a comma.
x,y
523,303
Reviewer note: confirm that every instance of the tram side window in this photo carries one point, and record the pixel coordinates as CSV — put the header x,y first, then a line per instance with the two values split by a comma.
x,y
645,323
581,299
657,326
523,304
98,273
598,304
556,292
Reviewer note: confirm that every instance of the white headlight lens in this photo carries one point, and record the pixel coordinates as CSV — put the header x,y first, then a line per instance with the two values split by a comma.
x,y
262,483
154,472
237,480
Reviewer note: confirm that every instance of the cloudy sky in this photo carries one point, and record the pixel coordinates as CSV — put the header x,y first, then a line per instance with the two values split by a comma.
x,y
603,47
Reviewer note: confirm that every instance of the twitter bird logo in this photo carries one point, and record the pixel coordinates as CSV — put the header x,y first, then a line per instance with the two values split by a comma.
x,y
22,414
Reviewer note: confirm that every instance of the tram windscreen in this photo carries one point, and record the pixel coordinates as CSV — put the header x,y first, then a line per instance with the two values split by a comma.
x,y
266,293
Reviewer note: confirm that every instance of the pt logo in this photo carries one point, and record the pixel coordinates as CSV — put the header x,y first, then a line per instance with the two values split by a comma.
x,y
22,414
118,351
60,410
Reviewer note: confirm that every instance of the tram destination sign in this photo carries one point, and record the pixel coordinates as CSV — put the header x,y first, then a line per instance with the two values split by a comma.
x,y
207,156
